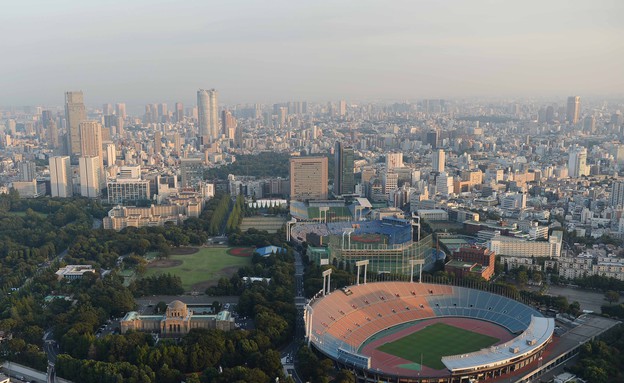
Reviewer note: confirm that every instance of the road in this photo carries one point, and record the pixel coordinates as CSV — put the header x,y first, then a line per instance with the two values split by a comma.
x,y
51,349
288,353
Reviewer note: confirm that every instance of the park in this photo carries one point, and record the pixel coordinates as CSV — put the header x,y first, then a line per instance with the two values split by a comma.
x,y
199,268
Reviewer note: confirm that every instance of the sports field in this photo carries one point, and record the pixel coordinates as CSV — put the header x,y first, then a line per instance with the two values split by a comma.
x,y
202,267
435,341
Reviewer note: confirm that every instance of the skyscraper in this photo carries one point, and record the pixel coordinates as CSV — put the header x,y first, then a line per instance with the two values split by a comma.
x,y
438,158
75,113
60,177
163,112
342,108
179,112
573,110
90,138
157,142
432,138
207,113
111,154
344,179
228,124
49,125
107,109
577,162
90,176
121,110
617,194
91,142
308,178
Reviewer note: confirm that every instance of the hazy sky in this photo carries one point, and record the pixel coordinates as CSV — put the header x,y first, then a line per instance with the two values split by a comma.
x,y
137,51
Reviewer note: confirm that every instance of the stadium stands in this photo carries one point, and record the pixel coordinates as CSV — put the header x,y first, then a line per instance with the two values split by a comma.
x,y
344,322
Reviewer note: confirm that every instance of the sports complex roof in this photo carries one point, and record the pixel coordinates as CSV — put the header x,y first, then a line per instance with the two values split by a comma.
x,y
535,336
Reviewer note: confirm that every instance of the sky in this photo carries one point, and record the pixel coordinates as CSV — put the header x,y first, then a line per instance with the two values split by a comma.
x,y
139,52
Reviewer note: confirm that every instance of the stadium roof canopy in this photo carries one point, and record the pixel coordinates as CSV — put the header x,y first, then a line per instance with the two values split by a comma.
x,y
535,336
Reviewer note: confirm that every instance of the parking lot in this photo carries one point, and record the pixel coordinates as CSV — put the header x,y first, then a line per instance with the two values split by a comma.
x,y
589,300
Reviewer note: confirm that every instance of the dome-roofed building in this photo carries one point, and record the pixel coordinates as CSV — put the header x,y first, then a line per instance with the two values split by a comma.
x,y
177,320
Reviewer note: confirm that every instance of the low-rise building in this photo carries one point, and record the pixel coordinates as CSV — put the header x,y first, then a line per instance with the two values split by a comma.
x,y
517,247
177,321
586,265
433,214
472,259
121,217
511,262
72,272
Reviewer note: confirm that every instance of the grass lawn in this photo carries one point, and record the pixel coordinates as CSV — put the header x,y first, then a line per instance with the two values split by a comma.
x,y
200,269
435,341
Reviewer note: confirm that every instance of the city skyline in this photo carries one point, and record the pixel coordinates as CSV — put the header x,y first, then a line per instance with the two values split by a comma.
x,y
353,51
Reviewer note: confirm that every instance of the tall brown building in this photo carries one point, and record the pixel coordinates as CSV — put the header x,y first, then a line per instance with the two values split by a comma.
x,y
75,113
91,142
573,110
228,124
308,178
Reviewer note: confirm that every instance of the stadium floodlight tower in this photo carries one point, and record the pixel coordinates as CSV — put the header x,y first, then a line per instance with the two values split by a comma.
x,y
413,262
416,223
327,281
309,312
288,228
359,264
358,208
348,232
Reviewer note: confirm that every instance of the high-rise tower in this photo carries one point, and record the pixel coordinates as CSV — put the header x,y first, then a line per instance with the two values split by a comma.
x,y
344,179
573,110
90,176
49,126
75,113
179,112
308,178
60,177
438,159
91,143
228,124
120,110
617,193
207,113
577,162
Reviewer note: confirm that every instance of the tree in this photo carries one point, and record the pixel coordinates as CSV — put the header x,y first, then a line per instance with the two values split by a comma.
x,y
612,296
523,277
344,376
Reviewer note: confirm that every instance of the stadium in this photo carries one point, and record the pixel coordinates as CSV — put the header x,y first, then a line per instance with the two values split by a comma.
x,y
405,332
390,244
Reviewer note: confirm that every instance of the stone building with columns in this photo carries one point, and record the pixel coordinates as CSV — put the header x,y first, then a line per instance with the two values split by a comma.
x,y
178,320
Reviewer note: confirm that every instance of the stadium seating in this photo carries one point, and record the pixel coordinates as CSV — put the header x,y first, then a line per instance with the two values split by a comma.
x,y
347,321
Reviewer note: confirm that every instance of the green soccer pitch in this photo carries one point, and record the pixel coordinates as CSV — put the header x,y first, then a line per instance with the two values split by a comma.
x,y
435,341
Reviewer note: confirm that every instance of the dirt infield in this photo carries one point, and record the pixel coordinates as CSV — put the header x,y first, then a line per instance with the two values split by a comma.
x,y
391,364
184,250
241,251
164,263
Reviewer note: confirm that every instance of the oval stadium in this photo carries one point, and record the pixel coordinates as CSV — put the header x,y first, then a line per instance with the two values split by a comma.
x,y
406,332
